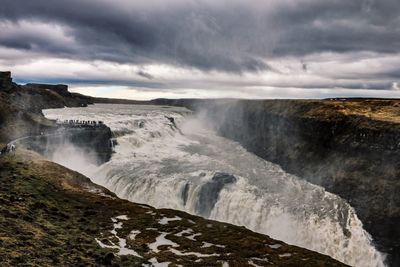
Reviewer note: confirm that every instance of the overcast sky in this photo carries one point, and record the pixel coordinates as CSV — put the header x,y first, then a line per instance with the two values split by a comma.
x,y
206,48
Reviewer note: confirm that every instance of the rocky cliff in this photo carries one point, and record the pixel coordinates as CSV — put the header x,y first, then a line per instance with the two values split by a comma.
x,y
350,147
5,80
21,106
21,117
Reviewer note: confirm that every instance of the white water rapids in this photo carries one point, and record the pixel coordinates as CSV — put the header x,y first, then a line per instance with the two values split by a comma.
x,y
202,173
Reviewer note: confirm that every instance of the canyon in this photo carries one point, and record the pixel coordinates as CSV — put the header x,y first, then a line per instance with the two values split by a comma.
x,y
348,146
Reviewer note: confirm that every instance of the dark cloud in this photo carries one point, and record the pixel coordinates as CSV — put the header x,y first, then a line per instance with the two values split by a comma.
x,y
232,36
116,82
145,74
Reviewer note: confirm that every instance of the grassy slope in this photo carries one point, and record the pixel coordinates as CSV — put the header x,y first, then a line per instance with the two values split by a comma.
x,y
50,216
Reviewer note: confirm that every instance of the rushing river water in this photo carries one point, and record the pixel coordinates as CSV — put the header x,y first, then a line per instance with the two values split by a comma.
x,y
193,169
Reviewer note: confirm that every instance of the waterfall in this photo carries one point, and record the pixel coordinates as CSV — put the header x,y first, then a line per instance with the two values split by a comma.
x,y
195,170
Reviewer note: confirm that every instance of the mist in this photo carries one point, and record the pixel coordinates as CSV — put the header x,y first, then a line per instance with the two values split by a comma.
x,y
191,168
73,157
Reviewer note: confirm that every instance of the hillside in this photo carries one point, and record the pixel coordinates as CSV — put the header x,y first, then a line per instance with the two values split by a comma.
x,y
53,216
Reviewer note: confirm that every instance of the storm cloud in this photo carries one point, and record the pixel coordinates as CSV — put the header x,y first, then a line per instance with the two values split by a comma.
x,y
217,38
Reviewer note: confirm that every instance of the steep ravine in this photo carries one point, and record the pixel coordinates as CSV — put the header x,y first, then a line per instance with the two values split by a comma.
x,y
52,216
350,147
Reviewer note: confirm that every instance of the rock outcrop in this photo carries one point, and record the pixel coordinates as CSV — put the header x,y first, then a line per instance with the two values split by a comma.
x,y
21,117
93,141
5,80
21,106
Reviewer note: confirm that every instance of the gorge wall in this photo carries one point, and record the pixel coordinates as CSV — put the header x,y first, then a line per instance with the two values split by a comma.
x,y
350,147
21,117
21,106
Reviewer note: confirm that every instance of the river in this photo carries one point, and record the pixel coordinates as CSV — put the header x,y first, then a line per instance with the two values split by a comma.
x,y
191,168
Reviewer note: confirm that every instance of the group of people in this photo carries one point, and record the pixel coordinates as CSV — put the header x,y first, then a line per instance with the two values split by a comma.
x,y
8,149
84,123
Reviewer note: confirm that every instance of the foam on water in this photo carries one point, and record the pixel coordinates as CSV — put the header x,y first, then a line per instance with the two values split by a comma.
x,y
157,165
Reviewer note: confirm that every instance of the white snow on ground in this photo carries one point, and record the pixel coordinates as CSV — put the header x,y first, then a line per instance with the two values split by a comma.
x,y
199,255
285,255
133,234
97,191
116,226
121,246
207,245
251,262
192,237
123,250
144,206
187,231
122,217
275,246
161,241
165,220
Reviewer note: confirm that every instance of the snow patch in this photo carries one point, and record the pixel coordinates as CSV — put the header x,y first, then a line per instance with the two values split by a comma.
x,y
161,241
192,237
199,255
187,231
275,246
121,246
165,221
133,234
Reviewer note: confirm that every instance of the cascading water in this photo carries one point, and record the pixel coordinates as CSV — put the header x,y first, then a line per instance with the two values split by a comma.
x,y
199,172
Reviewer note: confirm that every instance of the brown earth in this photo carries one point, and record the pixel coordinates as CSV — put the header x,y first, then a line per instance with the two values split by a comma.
x,y
52,216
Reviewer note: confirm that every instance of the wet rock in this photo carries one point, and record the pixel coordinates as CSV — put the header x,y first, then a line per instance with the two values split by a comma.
x,y
209,192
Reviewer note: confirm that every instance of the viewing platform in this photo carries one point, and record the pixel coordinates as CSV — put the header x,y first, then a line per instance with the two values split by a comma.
x,y
80,124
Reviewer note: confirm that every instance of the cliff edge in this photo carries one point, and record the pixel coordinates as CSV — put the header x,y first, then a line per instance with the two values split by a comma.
x,y
351,147
21,106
